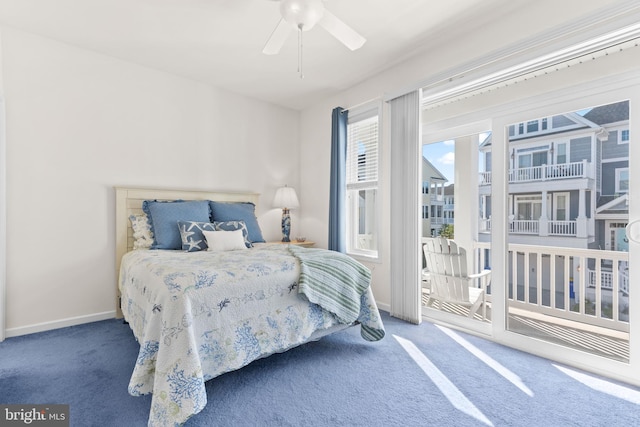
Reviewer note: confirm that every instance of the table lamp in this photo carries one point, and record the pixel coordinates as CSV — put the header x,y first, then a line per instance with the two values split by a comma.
x,y
286,199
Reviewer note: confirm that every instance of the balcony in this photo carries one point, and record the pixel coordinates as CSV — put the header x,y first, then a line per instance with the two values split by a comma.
x,y
574,297
563,171
533,227
437,220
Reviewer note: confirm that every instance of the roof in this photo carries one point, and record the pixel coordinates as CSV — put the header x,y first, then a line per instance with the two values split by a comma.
x,y
432,172
612,204
610,113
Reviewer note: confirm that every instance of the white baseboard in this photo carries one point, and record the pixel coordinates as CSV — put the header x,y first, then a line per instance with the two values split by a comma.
x,y
56,324
384,307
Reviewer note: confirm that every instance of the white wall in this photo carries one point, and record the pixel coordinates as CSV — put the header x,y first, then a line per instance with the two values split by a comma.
x,y
80,123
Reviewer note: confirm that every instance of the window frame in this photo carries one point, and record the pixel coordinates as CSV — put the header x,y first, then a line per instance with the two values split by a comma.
x,y
567,154
566,208
353,188
618,172
622,139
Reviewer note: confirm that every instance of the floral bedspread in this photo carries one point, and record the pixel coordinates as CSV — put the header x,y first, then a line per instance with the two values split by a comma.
x,y
199,315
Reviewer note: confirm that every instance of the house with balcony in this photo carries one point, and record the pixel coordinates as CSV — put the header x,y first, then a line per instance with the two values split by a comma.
x,y
448,207
568,188
568,180
433,199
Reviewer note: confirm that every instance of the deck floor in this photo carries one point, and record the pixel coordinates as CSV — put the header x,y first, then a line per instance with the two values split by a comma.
x,y
599,341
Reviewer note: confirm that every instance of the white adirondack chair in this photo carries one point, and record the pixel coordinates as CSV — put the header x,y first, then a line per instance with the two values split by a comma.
x,y
447,265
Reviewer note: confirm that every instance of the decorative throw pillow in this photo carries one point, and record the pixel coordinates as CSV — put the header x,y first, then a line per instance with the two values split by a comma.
x,y
165,215
234,225
231,211
224,240
142,235
191,235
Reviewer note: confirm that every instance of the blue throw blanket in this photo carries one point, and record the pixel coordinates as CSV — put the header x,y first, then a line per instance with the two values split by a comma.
x,y
339,284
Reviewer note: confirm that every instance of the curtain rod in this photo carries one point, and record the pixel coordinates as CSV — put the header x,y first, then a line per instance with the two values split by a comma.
x,y
377,98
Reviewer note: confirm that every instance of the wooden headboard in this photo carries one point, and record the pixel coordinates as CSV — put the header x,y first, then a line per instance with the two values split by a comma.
x,y
129,201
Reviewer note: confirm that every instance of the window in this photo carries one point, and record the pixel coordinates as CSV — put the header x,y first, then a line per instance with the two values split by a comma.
x,y
529,208
528,158
561,206
362,183
561,154
425,212
624,136
530,127
425,187
622,180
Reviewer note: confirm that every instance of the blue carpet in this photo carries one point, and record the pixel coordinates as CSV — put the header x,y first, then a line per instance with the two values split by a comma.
x,y
340,380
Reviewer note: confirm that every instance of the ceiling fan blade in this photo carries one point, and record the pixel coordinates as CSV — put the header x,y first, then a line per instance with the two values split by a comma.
x,y
277,38
341,31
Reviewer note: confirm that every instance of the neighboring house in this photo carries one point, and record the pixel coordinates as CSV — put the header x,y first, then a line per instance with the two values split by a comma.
x,y
449,204
568,180
433,199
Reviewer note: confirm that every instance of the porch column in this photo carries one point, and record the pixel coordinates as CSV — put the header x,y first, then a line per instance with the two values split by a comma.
x,y
466,196
581,220
543,223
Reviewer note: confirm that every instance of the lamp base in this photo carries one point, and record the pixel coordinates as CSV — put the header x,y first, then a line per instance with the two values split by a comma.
x,y
286,225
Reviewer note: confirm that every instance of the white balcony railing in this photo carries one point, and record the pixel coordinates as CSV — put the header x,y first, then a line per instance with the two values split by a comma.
x,y
436,220
607,279
524,226
532,227
583,285
544,173
562,228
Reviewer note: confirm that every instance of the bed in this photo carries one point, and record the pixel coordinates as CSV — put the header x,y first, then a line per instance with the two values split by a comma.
x,y
199,313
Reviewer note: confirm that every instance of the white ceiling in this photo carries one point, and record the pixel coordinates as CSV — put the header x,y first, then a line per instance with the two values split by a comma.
x,y
220,41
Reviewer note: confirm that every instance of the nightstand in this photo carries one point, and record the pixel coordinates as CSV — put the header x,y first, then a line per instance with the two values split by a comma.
x,y
305,244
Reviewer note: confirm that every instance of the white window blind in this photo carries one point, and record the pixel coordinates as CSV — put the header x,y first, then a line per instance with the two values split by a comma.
x,y
362,153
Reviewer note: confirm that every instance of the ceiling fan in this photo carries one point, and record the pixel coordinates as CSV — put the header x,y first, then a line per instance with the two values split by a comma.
x,y
303,15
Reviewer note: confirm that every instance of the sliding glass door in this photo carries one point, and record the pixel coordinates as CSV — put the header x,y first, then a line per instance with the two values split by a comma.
x,y
550,211
452,189
567,253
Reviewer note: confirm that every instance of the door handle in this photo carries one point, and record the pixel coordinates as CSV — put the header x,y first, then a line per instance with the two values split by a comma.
x,y
627,231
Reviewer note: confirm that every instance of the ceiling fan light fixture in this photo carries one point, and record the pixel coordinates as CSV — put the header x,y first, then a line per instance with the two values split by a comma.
x,y
302,14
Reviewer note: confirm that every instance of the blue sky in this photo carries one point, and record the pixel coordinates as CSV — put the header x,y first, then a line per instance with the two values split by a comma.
x,y
441,155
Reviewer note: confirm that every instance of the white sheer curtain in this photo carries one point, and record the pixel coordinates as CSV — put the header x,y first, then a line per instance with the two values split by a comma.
x,y
406,256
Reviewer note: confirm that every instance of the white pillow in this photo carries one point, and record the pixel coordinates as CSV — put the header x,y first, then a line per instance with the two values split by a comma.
x,y
224,240
142,234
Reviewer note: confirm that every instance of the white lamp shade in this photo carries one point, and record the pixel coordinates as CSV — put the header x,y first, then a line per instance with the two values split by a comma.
x,y
286,198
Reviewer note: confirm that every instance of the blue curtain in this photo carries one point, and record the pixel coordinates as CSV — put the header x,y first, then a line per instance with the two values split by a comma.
x,y
337,194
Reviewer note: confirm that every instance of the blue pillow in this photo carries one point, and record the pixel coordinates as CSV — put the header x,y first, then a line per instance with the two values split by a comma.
x,y
225,211
232,226
192,237
164,217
